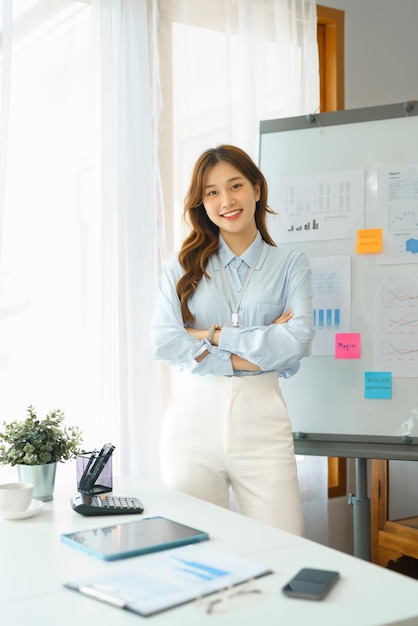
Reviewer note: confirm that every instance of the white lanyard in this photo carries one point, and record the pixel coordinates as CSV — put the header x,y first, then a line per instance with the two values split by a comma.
x,y
235,306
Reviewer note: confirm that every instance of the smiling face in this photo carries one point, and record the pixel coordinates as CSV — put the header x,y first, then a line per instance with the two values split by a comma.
x,y
230,201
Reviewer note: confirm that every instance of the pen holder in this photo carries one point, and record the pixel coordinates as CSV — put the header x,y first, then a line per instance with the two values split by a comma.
x,y
102,483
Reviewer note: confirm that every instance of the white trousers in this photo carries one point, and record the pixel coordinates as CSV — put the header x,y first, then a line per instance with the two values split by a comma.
x,y
222,433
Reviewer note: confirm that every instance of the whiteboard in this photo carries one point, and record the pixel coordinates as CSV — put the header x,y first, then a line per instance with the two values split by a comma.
x,y
327,394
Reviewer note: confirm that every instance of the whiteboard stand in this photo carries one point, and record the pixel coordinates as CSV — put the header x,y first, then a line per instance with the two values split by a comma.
x,y
361,513
361,448
295,153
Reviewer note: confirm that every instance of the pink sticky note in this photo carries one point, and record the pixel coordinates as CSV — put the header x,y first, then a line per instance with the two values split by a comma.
x,y
347,345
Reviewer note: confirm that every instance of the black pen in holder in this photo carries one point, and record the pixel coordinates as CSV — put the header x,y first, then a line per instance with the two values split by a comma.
x,y
94,473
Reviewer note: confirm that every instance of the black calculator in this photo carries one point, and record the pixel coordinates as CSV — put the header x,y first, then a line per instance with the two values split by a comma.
x,y
106,504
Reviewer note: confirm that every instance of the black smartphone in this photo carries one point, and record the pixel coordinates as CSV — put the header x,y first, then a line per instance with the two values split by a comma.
x,y
312,584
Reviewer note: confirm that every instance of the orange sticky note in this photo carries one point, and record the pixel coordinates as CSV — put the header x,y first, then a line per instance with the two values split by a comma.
x,y
347,345
369,241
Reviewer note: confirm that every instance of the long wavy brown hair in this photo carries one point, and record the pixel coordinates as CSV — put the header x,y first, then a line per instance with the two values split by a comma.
x,y
203,239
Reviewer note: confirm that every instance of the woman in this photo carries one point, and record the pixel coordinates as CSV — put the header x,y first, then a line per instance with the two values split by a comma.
x,y
234,314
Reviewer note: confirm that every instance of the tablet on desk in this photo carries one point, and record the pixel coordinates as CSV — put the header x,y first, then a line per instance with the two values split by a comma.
x,y
124,540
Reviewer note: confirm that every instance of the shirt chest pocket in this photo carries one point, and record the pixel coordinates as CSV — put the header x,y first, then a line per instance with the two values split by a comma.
x,y
264,314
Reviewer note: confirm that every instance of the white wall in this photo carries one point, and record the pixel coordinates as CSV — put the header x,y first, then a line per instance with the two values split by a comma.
x,y
381,54
381,51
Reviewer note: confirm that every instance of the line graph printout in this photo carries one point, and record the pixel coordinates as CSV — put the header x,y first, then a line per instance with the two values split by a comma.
x,y
317,207
331,284
396,324
397,199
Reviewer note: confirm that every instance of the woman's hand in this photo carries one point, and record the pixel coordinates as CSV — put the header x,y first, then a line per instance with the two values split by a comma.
x,y
202,333
198,333
238,363
285,317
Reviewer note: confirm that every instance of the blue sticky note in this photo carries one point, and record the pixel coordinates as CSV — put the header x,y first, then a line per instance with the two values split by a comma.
x,y
378,385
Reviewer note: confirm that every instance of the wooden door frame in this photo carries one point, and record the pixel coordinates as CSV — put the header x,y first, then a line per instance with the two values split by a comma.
x,y
330,36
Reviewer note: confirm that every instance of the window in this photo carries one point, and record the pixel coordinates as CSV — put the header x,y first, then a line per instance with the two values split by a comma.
x,y
49,294
224,71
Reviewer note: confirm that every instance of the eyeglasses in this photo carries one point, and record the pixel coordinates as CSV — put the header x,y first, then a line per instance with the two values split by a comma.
x,y
229,598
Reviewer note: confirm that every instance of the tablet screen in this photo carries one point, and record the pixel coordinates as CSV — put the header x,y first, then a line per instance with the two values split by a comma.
x,y
120,541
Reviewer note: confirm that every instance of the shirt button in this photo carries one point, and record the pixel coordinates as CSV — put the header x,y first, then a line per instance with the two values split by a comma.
x,y
228,347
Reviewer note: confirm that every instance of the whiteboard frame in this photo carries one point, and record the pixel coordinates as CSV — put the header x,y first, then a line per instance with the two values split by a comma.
x,y
347,116
348,445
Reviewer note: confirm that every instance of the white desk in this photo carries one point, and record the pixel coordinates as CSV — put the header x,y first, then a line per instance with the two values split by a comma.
x,y
34,564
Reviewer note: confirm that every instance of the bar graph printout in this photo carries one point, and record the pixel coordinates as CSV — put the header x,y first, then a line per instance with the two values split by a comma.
x,y
158,581
317,207
396,327
398,208
331,284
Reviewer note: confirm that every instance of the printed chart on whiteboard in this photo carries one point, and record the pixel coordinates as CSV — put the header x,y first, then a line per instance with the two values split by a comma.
x,y
396,317
398,206
316,207
331,279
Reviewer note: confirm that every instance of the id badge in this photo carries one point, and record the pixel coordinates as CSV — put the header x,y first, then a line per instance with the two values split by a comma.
x,y
231,325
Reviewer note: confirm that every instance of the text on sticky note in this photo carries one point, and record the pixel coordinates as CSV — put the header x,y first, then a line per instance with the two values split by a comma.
x,y
347,345
378,385
369,241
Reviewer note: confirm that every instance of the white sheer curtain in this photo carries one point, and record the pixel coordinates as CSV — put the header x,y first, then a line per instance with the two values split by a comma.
x,y
50,207
85,222
78,264
226,69
130,242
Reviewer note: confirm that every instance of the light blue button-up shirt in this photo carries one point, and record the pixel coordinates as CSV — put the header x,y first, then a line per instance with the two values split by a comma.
x,y
281,280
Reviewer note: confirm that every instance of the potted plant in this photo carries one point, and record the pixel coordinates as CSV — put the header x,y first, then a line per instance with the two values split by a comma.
x,y
36,445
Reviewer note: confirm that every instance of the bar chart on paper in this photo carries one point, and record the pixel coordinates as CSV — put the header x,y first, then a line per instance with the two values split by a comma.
x,y
331,301
317,207
314,225
327,318
169,578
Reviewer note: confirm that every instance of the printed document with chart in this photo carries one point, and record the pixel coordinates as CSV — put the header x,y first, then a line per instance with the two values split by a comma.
x,y
396,326
149,584
398,209
322,206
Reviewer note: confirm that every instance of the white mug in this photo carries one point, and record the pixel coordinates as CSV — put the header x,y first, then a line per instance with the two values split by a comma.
x,y
15,497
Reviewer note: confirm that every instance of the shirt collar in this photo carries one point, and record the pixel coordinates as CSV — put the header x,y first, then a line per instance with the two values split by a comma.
x,y
249,256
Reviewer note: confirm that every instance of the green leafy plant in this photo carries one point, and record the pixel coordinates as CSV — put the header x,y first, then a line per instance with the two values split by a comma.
x,y
35,441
